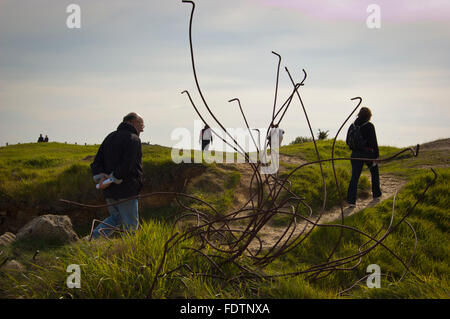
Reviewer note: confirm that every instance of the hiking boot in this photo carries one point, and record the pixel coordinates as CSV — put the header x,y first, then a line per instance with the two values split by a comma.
x,y
351,205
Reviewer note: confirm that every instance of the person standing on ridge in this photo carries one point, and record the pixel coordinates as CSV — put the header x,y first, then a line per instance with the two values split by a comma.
x,y
275,131
119,162
205,137
362,139
274,139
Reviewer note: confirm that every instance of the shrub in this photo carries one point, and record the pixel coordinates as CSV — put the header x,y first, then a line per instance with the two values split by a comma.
x,y
300,140
322,135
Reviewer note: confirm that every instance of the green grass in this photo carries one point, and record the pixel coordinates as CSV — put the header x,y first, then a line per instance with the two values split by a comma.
x,y
125,267
307,151
401,166
307,181
216,187
431,261
120,268
308,184
38,175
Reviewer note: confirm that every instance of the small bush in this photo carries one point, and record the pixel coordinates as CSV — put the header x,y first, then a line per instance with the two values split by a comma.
x,y
300,140
322,135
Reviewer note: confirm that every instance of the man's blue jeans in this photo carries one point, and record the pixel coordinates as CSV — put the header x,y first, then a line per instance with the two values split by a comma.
x,y
125,214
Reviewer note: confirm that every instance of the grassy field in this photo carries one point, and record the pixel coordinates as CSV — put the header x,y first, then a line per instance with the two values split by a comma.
x,y
431,263
38,174
125,267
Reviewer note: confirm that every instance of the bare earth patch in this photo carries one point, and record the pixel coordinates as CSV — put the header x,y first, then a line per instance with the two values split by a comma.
x,y
269,234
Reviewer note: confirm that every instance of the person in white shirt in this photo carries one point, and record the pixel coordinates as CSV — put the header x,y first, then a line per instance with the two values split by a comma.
x,y
205,138
274,132
275,135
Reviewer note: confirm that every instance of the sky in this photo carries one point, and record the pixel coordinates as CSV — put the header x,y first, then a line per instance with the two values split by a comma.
x,y
76,84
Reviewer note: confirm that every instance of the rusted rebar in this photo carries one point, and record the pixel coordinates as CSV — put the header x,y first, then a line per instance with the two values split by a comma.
x,y
217,235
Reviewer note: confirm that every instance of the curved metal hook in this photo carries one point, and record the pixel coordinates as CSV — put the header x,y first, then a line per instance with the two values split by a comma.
x,y
279,56
305,76
357,98
276,85
187,1
245,120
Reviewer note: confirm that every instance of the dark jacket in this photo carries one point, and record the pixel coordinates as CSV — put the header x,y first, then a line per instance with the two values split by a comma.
x,y
121,154
368,132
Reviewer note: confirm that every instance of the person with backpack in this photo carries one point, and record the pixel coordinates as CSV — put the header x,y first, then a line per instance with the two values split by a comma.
x,y
362,140
205,137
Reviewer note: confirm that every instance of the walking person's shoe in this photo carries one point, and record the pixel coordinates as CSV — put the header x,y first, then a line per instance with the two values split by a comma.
x,y
376,199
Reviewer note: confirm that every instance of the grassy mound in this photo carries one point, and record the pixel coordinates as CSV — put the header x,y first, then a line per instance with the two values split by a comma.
x,y
125,267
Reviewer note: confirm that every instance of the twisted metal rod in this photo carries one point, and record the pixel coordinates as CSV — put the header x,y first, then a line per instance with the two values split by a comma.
x,y
217,237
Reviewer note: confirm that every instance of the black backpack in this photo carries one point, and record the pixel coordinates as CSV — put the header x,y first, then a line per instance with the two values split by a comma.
x,y
355,140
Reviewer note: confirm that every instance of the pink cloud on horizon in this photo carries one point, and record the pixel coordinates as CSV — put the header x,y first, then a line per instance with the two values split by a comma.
x,y
391,10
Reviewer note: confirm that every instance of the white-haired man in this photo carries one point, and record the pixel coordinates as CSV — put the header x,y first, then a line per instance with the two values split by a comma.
x,y
120,159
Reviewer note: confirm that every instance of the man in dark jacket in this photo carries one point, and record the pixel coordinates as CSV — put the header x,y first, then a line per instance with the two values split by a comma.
x,y
119,159
370,150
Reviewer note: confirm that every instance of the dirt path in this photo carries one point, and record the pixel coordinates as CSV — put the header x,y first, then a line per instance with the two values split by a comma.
x,y
389,184
269,235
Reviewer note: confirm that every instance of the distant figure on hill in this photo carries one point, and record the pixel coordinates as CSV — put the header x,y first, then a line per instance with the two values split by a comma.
x,y
362,140
274,132
46,139
119,163
275,135
205,137
40,139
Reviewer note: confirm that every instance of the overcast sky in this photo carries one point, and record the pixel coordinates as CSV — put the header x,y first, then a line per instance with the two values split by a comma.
x,y
76,84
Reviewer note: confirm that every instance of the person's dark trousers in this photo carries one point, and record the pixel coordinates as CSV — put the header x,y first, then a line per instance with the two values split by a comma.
x,y
357,167
204,144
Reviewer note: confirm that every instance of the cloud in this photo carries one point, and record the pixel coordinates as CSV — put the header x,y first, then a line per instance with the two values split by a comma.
x,y
398,11
135,56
